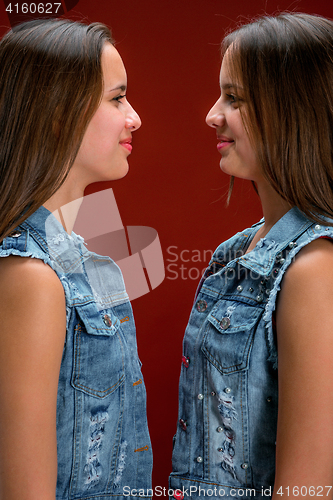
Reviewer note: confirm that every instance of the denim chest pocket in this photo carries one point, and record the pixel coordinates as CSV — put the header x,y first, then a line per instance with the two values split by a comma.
x,y
228,335
98,368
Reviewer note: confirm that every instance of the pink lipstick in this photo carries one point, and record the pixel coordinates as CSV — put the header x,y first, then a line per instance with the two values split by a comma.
x,y
126,143
222,145
223,142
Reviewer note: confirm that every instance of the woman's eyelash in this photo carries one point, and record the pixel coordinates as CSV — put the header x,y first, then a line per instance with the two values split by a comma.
x,y
119,98
232,97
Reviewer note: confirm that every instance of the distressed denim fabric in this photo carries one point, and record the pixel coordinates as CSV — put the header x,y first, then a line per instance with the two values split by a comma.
x,y
102,433
228,392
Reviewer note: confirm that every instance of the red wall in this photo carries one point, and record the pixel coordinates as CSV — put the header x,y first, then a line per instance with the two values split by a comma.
x,y
171,52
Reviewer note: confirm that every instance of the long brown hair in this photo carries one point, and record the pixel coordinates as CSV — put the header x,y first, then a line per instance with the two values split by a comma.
x,y
285,64
50,86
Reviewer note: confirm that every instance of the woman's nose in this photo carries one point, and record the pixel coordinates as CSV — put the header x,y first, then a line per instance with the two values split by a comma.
x,y
215,117
132,120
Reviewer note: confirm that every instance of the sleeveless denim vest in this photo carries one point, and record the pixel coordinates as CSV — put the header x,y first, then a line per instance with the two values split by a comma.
x,y
104,448
228,392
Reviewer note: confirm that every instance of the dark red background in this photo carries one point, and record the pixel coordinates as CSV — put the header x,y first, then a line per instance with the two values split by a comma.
x,y
171,52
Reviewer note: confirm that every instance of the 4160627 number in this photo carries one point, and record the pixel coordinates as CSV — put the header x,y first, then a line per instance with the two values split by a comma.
x,y
34,8
303,491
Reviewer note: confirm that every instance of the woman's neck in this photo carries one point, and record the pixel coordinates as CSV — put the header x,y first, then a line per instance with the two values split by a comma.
x,y
64,205
273,206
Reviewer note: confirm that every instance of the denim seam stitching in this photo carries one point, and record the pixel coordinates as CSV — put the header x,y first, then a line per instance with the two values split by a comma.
x,y
114,461
232,366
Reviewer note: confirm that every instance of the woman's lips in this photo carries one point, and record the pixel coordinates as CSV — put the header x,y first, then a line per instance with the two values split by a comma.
x,y
127,144
223,144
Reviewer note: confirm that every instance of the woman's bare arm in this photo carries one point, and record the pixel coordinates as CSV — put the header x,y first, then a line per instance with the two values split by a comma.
x,y
32,333
304,454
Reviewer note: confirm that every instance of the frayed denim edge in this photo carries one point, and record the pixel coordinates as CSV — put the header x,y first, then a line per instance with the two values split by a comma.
x,y
13,251
271,304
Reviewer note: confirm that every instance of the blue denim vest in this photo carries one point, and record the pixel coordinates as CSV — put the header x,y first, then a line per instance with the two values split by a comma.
x,y
104,449
228,392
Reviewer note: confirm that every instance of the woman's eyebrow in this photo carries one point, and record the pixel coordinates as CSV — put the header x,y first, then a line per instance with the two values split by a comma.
x,y
227,86
121,87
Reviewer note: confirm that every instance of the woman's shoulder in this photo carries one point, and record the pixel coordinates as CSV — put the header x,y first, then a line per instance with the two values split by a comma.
x,y
313,262
28,282
307,287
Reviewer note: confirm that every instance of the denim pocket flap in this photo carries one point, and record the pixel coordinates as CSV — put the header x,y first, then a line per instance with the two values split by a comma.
x,y
97,322
232,317
228,335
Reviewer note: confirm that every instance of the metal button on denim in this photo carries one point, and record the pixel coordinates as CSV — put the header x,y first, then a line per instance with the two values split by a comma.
x,y
201,305
227,390
107,320
225,323
239,288
245,466
219,429
200,396
199,460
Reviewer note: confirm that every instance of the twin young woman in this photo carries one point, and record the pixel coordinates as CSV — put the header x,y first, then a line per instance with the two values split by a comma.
x,y
256,385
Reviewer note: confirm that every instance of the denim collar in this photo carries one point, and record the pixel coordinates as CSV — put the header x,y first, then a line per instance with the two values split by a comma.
x,y
286,230
46,224
262,258
65,251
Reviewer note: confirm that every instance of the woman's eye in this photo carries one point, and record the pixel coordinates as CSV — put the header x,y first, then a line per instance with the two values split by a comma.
x,y
232,98
119,98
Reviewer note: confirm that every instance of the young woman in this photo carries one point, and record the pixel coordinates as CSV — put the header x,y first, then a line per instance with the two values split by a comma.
x,y
256,406
72,398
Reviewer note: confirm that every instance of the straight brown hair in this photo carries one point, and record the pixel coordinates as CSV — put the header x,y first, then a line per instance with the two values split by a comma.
x,y
50,86
285,65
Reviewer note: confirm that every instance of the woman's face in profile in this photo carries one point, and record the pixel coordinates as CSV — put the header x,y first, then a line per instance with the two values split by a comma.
x,y
238,157
106,143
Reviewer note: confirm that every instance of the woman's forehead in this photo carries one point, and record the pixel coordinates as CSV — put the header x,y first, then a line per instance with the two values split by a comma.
x,y
229,75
